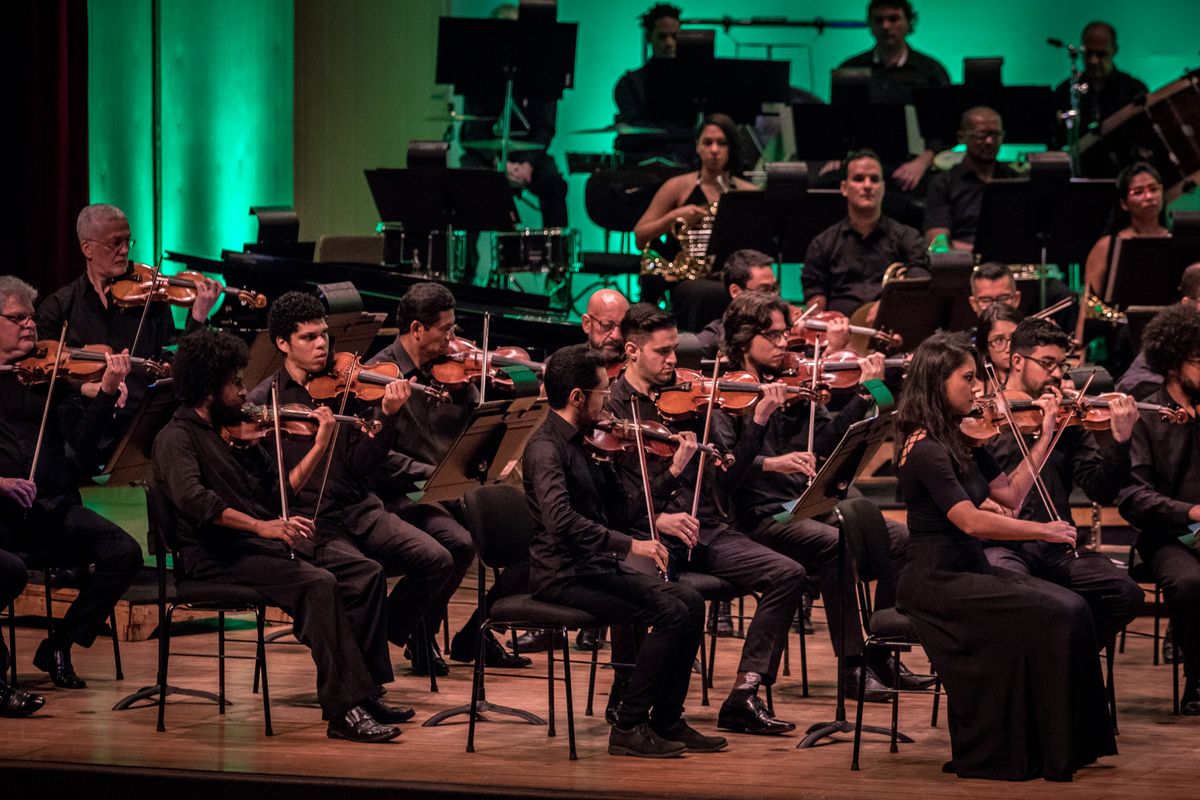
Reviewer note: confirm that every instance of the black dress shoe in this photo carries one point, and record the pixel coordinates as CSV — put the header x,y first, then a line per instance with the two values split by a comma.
x,y
532,642
642,742
357,725
16,703
587,640
747,714
58,664
463,647
692,739
877,691
419,667
908,679
494,655
385,714
1190,702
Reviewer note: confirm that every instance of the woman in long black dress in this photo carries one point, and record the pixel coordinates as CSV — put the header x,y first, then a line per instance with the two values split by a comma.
x,y
1016,654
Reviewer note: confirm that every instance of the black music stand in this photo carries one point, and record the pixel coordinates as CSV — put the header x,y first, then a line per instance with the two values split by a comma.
x,y
916,308
1146,270
130,461
352,332
828,132
826,490
1027,111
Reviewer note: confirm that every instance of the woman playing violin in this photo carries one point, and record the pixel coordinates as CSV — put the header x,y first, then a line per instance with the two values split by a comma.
x,y
1016,654
993,337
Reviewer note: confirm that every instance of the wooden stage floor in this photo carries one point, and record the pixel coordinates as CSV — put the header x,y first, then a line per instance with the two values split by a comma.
x,y
78,741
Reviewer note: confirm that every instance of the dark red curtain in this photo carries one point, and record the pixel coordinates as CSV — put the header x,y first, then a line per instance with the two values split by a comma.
x,y
48,138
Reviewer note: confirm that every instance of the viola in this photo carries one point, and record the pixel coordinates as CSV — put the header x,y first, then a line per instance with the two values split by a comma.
x,y
611,437
464,364
808,329
838,370
369,381
85,364
138,286
1094,414
294,420
736,392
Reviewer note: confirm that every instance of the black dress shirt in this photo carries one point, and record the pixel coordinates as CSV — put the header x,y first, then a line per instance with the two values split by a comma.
x,y
1164,476
955,199
631,95
1139,380
202,476
1118,90
69,423
1076,459
575,502
347,507
895,84
847,268
711,337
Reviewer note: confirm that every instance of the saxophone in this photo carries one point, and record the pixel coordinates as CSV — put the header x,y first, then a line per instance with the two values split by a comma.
x,y
692,261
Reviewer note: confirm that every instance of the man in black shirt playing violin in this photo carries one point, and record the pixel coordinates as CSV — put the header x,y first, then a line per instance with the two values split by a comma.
x,y
1038,366
43,516
579,559
233,527
348,509
704,540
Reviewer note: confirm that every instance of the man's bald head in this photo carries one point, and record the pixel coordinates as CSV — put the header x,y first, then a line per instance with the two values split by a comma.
x,y
602,323
1189,286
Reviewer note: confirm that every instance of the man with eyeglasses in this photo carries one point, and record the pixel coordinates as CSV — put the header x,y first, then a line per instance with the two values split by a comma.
x,y
954,199
993,282
1038,367
602,325
44,516
1107,88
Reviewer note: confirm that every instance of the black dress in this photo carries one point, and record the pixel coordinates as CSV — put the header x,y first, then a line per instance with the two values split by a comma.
x,y
1016,654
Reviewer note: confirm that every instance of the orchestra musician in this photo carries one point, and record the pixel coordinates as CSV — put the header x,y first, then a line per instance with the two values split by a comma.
x,y
993,283
427,428
41,512
896,69
716,546
602,325
1107,88
993,336
1016,654
955,198
691,197
756,328
1039,363
232,529
1163,498
845,263
1141,381
578,558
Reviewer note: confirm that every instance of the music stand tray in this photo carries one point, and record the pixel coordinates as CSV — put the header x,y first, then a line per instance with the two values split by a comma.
x,y
352,332
488,449
130,462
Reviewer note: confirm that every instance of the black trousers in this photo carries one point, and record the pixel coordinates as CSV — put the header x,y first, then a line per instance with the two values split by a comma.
x,y
675,614
13,577
751,567
440,524
1111,594
424,565
73,535
337,606
814,545
1178,569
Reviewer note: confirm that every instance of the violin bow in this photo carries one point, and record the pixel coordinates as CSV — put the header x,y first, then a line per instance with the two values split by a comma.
x,y
1058,433
483,375
146,308
283,477
712,402
37,450
350,374
637,434
812,403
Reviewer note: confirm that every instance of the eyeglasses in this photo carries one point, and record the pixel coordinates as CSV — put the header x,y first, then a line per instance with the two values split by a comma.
x,y
1148,189
606,326
18,319
115,244
602,392
1000,341
984,301
1050,364
775,335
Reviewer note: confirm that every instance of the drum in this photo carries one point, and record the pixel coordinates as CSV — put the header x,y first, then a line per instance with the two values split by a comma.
x,y
436,254
554,250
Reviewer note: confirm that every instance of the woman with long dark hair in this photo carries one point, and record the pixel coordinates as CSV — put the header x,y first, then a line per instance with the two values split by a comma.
x,y
993,337
1016,654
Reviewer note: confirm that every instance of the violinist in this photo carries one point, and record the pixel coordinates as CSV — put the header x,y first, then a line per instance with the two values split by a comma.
x,y
602,325
1163,497
1016,654
232,529
756,326
1039,353
41,512
425,432
993,336
579,553
716,546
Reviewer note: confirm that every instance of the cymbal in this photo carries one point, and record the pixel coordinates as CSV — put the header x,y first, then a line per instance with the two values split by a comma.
x,y
453,117
514,145
621,128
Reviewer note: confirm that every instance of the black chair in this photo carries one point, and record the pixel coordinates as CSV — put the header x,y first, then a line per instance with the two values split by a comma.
x,y
502,529
222,598
867,541
1141,573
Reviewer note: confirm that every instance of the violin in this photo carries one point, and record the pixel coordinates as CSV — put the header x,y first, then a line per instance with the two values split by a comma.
x,y
611,437
369,380
736,392
294,420
1094,414
84,364
1091,412
807,329
137,287
464,364
838,369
